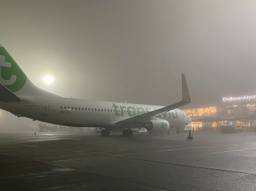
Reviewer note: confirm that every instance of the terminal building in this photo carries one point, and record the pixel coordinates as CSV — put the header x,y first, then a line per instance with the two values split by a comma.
x,y
232,112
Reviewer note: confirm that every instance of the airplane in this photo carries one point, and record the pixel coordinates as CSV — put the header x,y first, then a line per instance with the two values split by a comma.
x,y
19,96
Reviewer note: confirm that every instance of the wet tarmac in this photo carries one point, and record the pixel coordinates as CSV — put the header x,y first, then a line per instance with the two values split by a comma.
x,y
212,161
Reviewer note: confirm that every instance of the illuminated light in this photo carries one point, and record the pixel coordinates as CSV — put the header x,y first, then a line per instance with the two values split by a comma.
x,y
201,112
196,125
239,98
48,79
215,125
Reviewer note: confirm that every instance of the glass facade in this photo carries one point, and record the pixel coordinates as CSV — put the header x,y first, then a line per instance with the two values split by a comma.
x,y
233,112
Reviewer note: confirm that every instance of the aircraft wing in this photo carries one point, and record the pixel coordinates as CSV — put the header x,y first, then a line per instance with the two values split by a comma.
x,y
147,116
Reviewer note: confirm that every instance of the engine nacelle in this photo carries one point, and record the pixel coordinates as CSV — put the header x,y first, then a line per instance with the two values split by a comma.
x,y
158,125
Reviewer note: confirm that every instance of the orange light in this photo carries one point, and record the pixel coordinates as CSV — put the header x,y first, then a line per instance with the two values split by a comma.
x,y
200,112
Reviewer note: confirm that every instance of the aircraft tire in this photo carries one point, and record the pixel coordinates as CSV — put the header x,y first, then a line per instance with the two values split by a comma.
x,y
105,132
127,133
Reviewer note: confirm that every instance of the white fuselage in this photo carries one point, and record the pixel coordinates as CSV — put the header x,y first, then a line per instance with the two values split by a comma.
x,y
83,113
21,97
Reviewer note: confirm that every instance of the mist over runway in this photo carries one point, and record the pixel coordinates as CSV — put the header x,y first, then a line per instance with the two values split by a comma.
x,y
133,51
124,52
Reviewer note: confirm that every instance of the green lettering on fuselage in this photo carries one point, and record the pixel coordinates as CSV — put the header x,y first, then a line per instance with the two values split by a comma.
x,y
140,110
123,110
115,109
131,111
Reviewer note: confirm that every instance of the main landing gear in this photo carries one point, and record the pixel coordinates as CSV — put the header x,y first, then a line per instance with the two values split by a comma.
x,y
105,132
127,133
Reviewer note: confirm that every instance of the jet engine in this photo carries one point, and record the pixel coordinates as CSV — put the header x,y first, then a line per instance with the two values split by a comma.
x,y
158,126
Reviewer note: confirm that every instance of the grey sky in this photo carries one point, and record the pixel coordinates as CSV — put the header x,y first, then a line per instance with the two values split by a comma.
x,y
135,50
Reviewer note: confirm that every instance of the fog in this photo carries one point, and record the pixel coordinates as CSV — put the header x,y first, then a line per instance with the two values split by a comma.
x,y
134,50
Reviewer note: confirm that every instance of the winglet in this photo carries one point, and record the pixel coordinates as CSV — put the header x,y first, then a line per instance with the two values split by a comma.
x,y
185,92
